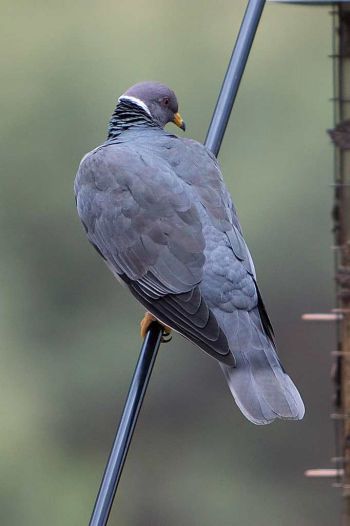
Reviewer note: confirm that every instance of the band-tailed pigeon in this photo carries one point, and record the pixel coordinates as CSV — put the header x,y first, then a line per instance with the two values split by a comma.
x,y
156,208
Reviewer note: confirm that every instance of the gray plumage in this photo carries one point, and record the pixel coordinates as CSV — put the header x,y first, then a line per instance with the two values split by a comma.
x,y
156,208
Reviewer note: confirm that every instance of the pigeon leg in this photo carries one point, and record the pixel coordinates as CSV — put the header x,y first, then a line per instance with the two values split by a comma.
x,y
146,322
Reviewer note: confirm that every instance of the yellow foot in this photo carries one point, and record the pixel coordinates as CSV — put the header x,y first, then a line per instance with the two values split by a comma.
x,y
146,322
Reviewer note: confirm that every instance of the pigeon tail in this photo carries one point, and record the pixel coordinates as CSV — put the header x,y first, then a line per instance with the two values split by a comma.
x,y
261,388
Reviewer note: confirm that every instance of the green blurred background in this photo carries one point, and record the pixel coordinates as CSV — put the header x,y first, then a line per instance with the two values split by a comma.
x,y
69,332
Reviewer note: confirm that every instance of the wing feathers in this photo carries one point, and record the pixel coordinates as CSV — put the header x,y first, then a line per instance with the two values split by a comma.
x,y
188,314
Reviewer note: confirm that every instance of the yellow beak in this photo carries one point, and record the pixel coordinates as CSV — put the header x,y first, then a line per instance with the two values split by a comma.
x,y
179,122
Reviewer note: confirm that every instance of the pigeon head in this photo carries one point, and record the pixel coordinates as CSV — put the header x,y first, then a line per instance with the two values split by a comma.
x,y
158,100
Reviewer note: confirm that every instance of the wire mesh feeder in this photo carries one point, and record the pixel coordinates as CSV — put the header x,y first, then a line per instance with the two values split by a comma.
x,y
340,135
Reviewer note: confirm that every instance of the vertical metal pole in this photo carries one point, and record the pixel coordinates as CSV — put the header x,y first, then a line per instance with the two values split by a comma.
x,y
343,241
341,216
151,343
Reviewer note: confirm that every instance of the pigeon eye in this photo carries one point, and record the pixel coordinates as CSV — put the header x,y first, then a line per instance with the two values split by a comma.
x,y
166,101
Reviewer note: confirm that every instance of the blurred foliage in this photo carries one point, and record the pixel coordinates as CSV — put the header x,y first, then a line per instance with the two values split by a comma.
x,y
69,332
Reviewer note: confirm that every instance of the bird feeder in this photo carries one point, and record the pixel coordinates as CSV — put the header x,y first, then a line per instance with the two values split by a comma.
x,y
340,315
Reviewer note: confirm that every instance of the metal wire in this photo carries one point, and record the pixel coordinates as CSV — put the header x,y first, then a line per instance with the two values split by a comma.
x,y
126,427
151,343
234,75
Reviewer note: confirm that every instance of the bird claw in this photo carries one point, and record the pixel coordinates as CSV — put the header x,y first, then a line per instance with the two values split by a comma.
x,y
146,322
166,335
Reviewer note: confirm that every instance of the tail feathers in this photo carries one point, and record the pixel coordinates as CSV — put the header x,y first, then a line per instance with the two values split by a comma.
x,y
261,388
261,395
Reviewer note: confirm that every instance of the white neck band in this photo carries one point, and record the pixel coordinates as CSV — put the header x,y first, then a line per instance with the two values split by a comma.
x,y
136,101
